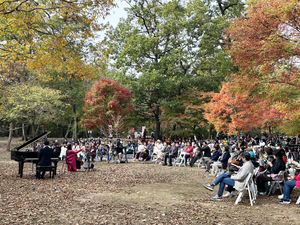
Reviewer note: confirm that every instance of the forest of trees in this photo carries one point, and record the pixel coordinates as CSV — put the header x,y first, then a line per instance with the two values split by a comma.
x,y
183,68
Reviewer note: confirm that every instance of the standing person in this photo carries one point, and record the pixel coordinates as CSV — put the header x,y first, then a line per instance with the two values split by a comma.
x,y
90,133
119,150
63,152
45,157
71,156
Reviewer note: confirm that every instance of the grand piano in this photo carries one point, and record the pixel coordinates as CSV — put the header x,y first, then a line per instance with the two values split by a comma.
x,y
22,155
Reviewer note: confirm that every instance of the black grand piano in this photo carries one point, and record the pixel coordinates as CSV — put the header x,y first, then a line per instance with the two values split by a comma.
x,y
30,156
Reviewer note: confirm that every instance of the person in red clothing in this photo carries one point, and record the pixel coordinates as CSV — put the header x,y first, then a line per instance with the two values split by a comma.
x,y
188,152
287,189
71,156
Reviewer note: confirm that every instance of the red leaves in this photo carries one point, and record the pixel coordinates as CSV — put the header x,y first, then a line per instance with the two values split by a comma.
x,y
107,103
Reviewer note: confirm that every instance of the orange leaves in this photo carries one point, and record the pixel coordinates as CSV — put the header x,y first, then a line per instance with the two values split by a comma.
x,y
265,35
231,112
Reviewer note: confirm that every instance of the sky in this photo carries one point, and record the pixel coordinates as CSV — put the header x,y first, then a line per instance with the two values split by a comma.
x,y
117,13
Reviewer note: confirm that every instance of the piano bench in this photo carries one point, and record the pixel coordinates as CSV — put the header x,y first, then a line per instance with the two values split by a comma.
x,y
40,169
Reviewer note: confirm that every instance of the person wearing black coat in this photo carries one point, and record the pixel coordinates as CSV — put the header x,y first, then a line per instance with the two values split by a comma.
x,y
214,158
275,167
206,154
45,156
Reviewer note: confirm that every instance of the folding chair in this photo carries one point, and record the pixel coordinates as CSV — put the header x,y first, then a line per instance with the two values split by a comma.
x,y
253,183
279,180
298,200
248,187
180,159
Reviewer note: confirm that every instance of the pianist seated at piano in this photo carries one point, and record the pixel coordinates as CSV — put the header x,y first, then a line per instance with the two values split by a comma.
x,y
45,156
71,156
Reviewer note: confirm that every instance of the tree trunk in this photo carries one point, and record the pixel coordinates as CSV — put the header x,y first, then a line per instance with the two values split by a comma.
x,y
238,139
23,132
11,127
157,122
32,130
68,130
209,133
270,130
157,128
75,131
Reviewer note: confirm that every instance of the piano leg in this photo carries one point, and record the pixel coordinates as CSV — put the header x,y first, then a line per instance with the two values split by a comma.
x,y
21,166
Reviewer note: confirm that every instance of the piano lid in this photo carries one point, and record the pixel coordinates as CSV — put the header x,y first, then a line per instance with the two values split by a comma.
x,y
30,141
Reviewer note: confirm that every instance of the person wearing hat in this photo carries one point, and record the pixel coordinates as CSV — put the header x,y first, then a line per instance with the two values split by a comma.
x,y
45,156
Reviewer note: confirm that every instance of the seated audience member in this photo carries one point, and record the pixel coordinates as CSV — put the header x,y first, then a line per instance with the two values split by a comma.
x,y
188,152
163,152
141,148
173,152
145,155
150,147
130,149
222,162
287,189
264,159
236,181
253,160
206,154
214,158
276,166
234,155
197,154
157,148
284,158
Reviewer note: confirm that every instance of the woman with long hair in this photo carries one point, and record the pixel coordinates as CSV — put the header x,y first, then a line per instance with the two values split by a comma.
x,y
71,156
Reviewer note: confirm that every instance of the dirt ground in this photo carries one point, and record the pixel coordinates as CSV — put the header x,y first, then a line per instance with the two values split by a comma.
x,y
132,193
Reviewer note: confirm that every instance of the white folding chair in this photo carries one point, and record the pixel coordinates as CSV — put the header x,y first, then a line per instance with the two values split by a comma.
x,y
247,187
298,201
180,159
253,184
279,180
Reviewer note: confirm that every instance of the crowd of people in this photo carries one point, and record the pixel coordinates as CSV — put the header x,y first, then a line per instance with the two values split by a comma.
x,y
227,159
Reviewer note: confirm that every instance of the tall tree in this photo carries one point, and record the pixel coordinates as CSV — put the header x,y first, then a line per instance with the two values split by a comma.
x,y
168,48
265,46
34,104
106,104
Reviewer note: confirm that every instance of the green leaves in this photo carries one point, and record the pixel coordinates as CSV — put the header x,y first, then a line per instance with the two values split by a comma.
x,y
31,103
167,49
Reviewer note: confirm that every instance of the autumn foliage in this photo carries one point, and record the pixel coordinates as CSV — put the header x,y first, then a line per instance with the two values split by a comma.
x,y
231,112
107,103
264,45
